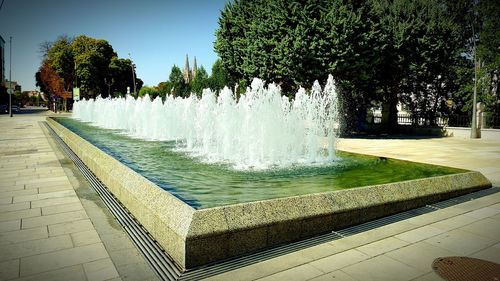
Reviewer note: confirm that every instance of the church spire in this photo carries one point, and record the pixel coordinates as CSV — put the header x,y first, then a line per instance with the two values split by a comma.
x,y
195,68
187,72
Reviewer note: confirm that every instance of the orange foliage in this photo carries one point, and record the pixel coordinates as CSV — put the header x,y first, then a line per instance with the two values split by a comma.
x,y
53,82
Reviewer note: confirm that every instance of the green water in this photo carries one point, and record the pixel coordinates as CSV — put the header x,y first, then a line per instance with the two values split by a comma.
x,y
208,185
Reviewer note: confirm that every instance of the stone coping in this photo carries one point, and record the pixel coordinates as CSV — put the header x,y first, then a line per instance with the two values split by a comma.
x,y
198,237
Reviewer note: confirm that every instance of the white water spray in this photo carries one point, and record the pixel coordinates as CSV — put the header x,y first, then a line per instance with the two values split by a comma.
x,y
260,130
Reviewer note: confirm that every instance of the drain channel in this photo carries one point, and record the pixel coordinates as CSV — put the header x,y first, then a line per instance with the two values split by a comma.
x,y
152,252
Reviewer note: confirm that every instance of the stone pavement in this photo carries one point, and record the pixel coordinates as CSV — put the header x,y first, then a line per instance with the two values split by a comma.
x,y
406,249
53,226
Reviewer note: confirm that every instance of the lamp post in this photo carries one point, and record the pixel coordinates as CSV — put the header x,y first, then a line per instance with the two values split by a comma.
x,y
473,129
133,73
10,77
473,126
109,83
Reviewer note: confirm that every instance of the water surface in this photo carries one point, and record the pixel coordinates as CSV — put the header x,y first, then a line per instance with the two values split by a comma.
x,y
204,185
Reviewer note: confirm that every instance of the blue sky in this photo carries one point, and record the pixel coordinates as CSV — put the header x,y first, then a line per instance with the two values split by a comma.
x,y
157,34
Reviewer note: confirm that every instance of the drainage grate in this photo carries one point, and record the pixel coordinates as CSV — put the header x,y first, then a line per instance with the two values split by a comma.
x,y
157,258
466,269
235,263
166,268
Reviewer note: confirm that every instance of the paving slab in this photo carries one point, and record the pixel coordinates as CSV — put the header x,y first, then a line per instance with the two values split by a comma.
x,y
419,234
17,236
420,255
73,273
302,272
382,246
35,247
338,275
63,258
9,269
339,261
45,232
100,270
382,268
6,226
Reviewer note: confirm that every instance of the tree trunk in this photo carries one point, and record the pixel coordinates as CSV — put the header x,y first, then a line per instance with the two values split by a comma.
x,y
390,113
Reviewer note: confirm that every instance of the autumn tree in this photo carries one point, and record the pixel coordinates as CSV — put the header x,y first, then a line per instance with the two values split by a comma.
x,y
88,63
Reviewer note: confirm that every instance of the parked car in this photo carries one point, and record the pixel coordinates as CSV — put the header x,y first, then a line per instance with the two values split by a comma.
x,y
15,108
4,108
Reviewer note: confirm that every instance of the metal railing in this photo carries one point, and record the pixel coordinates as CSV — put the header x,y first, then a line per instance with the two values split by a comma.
x,y
454,120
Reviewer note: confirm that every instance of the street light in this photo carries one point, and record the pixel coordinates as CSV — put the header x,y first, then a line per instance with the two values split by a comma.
x,y
10,77
133,73
473,126
109,83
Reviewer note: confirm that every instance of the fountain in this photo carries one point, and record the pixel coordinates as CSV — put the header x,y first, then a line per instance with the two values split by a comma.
x,y
260,130
214,177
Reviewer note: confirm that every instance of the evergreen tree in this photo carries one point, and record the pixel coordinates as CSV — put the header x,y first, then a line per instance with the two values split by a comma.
x,y
219,78
200,81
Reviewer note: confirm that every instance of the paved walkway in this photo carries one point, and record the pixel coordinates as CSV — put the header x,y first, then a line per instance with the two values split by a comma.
x,y
404,250
54,227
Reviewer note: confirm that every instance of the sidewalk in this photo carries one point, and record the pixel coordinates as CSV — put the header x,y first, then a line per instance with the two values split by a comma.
x,y
406,249
52,225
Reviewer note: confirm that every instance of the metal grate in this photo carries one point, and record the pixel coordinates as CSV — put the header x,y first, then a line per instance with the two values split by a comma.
x,y
168,270
466,269
156,257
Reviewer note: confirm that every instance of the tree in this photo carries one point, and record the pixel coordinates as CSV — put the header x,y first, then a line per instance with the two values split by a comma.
x,y
429,60
60,55
294,43
152,92
488,53
120,70
219,78
200,81
380,52
50,83
92,59
164,89
275,40
478,27
87,63
176,81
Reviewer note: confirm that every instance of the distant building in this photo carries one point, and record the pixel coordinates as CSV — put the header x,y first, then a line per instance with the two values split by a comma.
x,y
2,61
187,73
33,93
15,86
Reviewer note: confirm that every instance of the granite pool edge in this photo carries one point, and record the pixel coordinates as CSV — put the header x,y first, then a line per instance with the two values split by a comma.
x,y
197,237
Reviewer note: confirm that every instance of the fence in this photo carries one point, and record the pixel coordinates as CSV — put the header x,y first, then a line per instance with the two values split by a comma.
x,y
455,120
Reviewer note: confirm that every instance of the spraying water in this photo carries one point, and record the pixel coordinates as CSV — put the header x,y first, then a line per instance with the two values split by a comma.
x,y
260,130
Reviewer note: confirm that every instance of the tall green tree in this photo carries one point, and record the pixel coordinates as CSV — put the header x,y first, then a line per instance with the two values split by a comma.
x,y
428,57
488,53
120,72
60,54
177,84
92,59
479,29
379,51
200,81
219,77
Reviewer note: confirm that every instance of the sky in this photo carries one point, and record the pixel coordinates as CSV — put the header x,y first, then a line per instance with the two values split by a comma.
x,y
157,34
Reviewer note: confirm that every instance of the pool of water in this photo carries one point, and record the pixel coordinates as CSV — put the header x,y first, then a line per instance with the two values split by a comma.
x,y
205,185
